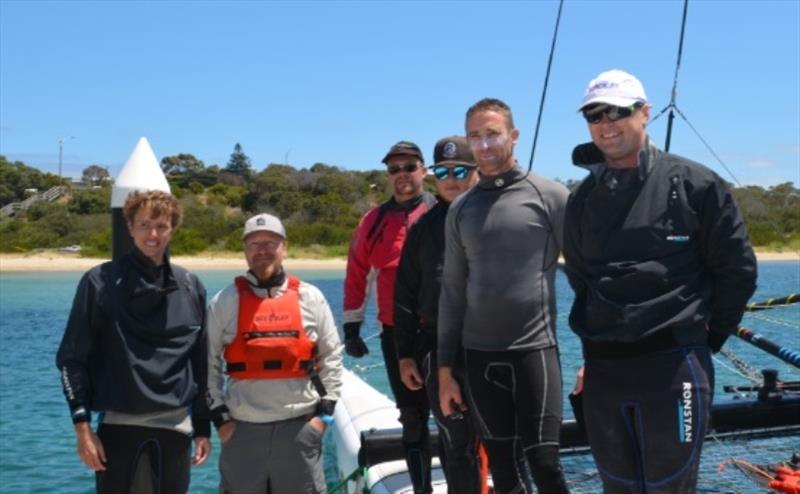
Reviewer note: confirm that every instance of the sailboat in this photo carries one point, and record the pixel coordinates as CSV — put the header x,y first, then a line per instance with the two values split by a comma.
x,y
367,433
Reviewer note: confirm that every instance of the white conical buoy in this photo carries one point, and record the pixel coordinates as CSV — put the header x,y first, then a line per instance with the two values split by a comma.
x,y
141,172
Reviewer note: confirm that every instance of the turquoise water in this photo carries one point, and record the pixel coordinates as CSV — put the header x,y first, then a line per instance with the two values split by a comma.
x,y
37,445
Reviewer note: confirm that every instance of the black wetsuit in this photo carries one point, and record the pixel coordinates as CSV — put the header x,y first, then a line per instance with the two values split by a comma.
x,y
498,303
416,299
662,269
135,345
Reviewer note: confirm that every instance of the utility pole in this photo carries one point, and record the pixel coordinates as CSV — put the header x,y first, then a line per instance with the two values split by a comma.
x,y
61,152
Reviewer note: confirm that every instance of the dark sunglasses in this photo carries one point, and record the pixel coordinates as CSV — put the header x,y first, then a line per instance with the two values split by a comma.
x,y
594,114
408,168
459,172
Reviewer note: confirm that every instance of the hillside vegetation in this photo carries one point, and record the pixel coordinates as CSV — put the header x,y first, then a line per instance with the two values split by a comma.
x,y
320,207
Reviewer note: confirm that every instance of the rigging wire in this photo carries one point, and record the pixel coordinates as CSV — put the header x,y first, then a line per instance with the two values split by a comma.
x,y
673,108
674,95
774,320
546,81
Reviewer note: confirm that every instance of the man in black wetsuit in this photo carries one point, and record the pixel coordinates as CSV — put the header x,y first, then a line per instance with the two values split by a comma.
x,y
416,306
658,256
502,242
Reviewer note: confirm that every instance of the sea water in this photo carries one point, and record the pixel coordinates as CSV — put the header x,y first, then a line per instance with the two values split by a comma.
x,y
37,442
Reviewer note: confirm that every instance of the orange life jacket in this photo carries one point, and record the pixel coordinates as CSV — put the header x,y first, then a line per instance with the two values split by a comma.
x,y
271,342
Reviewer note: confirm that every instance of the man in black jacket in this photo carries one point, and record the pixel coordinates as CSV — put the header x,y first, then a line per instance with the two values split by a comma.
x,y
135,350
416,307
662,268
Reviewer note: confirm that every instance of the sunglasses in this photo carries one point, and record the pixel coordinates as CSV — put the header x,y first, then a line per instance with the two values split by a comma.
x,y
594,114
408,168
459,172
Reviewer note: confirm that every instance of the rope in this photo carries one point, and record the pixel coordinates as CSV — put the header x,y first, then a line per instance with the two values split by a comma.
x,y
773,320
372,336
546,80
359,472
751,471
740,366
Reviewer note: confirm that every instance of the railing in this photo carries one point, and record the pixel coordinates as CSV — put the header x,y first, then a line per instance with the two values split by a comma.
x,y
49,195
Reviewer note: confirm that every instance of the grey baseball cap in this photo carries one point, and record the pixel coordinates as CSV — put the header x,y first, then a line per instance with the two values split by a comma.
x,y
264,223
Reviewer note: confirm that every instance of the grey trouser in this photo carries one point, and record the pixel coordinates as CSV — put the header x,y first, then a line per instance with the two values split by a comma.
x,y
276,457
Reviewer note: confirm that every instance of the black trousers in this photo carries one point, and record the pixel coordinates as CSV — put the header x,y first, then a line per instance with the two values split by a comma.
x,y
646,418
458,438
515,396
144,460
414,413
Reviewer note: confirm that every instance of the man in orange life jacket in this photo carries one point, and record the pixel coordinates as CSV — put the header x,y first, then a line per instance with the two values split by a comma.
x,y
374,255
283,357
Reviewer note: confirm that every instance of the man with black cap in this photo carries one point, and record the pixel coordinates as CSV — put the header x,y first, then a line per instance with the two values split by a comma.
x,y
374,256
416,307
277,338
658,256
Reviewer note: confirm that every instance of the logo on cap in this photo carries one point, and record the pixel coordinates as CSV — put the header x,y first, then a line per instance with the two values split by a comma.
x,y
261,222
603,85
449,150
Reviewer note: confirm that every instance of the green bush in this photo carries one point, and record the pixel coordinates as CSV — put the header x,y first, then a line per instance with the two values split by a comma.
x,y
98,244
233,242
90,201
19,236
187,241
317,233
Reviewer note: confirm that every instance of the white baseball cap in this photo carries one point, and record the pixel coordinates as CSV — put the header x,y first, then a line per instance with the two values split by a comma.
x,y
614,87
264,223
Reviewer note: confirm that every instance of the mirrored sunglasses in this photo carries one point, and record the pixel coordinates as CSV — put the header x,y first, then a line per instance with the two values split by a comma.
x,y
594,114
459,172
407,167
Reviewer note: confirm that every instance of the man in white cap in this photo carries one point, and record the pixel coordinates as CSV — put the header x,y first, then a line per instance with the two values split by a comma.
x,y
278,340
662,268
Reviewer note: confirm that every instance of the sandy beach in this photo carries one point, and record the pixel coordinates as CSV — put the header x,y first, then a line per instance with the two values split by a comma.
x,y
60,261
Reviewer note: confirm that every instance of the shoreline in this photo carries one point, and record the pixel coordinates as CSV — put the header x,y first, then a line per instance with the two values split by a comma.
x,y
60,261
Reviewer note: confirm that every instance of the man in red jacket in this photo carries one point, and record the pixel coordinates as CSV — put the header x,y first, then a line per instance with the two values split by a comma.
x,y
374,256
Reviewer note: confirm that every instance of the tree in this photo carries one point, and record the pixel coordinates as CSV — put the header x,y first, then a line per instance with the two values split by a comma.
x,y
181,164
16,177
239,164
90,201
95,175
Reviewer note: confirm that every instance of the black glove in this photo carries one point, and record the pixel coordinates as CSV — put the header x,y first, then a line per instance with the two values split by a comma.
x,y
353,344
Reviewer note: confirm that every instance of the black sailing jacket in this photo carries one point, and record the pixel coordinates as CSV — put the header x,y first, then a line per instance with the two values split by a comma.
x,y
418,282
135,341
659,246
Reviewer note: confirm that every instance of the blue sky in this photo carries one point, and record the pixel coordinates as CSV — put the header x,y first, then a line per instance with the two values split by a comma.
x,y
339,82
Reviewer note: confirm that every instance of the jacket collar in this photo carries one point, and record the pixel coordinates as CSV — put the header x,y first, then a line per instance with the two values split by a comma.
x,y
275,282
589,157
405,205
502,180
161,276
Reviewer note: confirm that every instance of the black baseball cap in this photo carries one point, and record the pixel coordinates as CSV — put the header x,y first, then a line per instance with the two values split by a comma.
x,y
407,148
453,150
